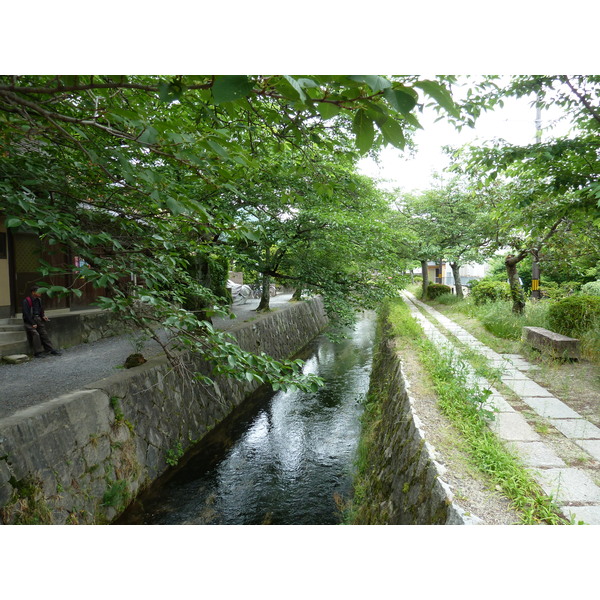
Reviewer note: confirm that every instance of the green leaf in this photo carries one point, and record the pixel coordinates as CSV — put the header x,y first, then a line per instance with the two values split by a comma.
x,y
148,136
440,94
228,88
296,85
401,100
393,133
13,222
218,149
169,91
327,110
375,82
362,126
174,206
376,113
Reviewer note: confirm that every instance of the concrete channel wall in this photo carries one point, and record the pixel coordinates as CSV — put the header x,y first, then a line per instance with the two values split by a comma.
x,y
82,457
404,484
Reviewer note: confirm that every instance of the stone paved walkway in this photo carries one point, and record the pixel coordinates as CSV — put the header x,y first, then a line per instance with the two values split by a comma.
x,y
37,381
573,490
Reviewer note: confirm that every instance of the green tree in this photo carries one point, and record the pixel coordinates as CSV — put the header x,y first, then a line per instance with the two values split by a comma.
x,y
455,222
133,174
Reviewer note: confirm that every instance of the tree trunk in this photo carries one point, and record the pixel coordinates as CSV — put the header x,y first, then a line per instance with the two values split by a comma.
x,y
516,290
425,274
297,295
199,270
457,282
263,305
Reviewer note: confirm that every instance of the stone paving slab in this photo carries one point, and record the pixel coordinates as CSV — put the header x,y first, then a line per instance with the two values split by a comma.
x,y
552,408
526,388
567,485
498,402
513,427
590,446
536,454
590,515
513,374
576,428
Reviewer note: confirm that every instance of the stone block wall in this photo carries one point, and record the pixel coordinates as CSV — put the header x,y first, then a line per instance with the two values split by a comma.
x,y
404,483
82,457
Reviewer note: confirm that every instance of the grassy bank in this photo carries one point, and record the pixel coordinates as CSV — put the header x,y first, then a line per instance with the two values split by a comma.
x,y
464,407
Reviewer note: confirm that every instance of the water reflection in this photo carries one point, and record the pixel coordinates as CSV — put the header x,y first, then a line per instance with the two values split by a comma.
x,y
282,458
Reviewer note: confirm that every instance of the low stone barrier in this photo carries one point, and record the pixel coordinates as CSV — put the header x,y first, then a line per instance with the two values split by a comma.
x,y
559,346
405,483
71,328
83,457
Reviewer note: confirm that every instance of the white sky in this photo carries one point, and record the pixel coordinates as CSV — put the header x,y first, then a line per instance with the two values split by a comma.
x,y
515,123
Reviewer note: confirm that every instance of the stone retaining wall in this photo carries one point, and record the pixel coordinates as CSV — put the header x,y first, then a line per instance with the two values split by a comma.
x,y
404,484
82,457
69,329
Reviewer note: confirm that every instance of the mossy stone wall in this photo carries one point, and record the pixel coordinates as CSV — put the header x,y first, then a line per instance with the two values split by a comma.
x,y
402,483
82,457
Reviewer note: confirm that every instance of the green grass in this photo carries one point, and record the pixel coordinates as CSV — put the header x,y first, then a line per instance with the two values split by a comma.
x,y
462,405
448,299
498,320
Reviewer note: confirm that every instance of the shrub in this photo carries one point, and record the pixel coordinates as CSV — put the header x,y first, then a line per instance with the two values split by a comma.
x,y
591,289
558,291
575,315
489,291
437,289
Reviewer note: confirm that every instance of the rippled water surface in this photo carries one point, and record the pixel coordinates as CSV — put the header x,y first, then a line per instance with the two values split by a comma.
x,y
282,458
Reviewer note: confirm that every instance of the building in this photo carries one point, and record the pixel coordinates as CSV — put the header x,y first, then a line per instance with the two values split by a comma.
x,y
441,272
20,256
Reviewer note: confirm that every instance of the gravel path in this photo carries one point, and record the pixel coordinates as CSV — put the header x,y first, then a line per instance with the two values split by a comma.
x,y
42,379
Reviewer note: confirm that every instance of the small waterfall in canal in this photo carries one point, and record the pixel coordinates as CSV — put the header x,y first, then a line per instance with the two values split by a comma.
x,y
282,457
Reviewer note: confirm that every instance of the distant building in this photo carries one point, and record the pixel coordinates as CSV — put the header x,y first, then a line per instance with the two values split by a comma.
x,y
441,272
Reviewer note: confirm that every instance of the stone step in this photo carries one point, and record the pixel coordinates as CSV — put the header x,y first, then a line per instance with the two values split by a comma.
x,y
8,337
21,347
15,327
12,321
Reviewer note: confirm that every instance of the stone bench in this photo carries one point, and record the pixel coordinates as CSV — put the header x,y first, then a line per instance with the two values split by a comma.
x,y
559,346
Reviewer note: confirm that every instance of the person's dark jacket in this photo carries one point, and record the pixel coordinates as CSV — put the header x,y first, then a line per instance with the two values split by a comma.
x,y
36,308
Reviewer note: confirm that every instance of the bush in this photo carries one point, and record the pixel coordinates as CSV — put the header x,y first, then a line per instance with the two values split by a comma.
x,y
591,289
489,291
437,289
575,315
558,291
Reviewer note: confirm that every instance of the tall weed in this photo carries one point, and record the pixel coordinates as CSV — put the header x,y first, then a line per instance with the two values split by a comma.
x,y
499,319
448,299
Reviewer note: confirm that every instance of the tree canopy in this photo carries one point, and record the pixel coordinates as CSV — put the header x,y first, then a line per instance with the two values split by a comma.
x,y
149,177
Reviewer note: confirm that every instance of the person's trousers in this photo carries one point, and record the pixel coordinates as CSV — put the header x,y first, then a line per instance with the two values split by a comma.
x,y
38,337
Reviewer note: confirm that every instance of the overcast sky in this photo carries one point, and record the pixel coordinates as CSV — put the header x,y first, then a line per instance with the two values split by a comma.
x,y
515,123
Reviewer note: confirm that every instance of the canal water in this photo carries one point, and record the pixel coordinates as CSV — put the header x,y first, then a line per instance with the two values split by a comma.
x,y
282,457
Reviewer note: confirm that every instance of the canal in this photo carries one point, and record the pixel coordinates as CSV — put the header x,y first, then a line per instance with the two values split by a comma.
x,y
282,457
